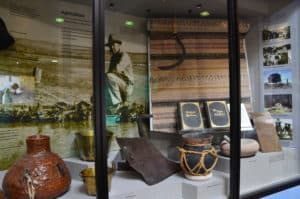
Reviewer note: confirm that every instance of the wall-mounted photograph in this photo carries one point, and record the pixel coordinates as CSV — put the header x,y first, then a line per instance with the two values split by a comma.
x,y
278,104
277,55
278,79
284,128
16,90
278,33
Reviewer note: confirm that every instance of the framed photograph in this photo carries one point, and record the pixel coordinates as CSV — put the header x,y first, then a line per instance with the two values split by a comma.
x,y
278,79
278,104
277,55
276,33
190,116
218,114
17,90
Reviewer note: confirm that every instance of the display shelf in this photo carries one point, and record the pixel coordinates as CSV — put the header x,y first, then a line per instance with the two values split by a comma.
x,y
260,171
265,169
128,184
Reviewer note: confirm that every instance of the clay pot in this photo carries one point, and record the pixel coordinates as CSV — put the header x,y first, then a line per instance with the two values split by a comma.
x,y
1,195
197,156
39,174
249,147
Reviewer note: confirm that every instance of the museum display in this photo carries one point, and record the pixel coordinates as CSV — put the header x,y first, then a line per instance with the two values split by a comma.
x,y
197,156
190,116
38,174
88,176
144,158
152,81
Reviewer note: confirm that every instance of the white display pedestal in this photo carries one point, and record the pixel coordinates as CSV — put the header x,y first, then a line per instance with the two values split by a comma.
x,y
265,169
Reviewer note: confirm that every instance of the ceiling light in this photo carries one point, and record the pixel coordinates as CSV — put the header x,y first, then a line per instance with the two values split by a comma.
x,y
129,23
54,61
59,20
204,13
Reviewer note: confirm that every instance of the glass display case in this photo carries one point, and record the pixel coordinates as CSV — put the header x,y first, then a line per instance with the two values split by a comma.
x,y
149,99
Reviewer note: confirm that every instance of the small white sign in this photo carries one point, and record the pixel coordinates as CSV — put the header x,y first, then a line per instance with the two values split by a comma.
x,y
245,120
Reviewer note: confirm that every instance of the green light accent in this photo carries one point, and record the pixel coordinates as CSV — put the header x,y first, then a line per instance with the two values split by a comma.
x,y
204,13
59,20
129,23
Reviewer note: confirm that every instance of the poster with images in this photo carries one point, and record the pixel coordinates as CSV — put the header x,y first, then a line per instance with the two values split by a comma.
x,y
277,55
277,79
276,33
278,104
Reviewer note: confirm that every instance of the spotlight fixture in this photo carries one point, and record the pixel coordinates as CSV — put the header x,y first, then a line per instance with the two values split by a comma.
x,y
204,13
129,23
59,20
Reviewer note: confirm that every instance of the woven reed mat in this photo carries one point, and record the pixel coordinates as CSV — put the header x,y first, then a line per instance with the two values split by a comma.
x,y
204,74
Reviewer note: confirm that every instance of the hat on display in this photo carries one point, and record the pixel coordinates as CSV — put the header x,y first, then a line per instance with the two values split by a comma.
x,y
5,38
112,41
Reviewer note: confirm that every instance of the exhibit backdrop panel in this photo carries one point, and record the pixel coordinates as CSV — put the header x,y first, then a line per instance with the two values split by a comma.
x,y
46,75
198,49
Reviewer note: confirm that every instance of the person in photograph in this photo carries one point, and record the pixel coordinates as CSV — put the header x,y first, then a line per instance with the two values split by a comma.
x,y
119,77
6,97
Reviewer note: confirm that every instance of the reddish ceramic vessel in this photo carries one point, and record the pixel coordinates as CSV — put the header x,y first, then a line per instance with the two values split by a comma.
x,y
1,195
39,174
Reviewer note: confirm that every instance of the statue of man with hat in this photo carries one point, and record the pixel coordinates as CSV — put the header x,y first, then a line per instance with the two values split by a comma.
x,y
119,77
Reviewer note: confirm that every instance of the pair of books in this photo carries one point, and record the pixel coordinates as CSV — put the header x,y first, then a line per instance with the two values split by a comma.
x,y
190,115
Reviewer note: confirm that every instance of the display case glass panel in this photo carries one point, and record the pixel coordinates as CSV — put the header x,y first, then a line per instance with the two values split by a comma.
x,y
273,65
46,88
167,68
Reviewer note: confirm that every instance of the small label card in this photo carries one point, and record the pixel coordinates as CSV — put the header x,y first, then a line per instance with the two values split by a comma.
x,y
190,116
218,114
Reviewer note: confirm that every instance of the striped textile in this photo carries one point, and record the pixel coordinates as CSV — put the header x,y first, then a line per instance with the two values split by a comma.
x,y
203,75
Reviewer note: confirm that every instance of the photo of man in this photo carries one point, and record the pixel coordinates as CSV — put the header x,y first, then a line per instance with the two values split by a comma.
x,y
119,77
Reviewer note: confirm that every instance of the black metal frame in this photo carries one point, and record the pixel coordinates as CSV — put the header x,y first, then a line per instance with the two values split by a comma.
x,y
234,67
98,98
235,98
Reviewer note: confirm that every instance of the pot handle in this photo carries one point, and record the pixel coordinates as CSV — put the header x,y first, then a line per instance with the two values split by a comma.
x,y
60,169
29,188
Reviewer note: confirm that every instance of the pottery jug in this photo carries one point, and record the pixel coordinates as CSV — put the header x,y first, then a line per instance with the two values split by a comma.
x,y
1,195
197,156
39,174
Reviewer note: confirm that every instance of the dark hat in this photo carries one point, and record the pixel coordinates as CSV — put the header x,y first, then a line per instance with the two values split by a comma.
x,y
111,41
5,38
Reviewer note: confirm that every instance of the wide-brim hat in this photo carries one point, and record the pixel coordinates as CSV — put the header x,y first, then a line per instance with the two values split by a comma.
x,y
5,38
112,41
